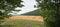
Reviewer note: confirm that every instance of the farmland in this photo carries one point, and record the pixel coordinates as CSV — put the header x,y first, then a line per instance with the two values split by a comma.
x,y
24,21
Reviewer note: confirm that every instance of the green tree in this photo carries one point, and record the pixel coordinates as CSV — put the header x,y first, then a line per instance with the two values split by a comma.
x,y
50,10
7,6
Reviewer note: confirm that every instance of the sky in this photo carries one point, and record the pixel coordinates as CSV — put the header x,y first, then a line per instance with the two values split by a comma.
x,y
28,6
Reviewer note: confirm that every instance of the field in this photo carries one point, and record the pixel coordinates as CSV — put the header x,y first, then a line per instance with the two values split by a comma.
x,y
34,18
24,21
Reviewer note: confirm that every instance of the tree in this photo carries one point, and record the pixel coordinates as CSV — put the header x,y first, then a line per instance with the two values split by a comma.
x,y
7,6
50,10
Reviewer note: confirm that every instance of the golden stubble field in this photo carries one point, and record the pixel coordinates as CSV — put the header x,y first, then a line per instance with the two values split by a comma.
x,y
31,18
34,18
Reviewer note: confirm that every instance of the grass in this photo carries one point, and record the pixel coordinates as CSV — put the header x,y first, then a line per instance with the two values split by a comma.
x,y
22,23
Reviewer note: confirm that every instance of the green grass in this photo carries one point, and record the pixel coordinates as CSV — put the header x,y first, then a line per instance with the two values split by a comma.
x,y
22,23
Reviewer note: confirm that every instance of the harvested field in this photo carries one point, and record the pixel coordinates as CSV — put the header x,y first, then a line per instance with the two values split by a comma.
x,y
34,18
24,21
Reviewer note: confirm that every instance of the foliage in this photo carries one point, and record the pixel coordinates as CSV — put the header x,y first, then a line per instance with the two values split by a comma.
x,y
50,10
7,6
